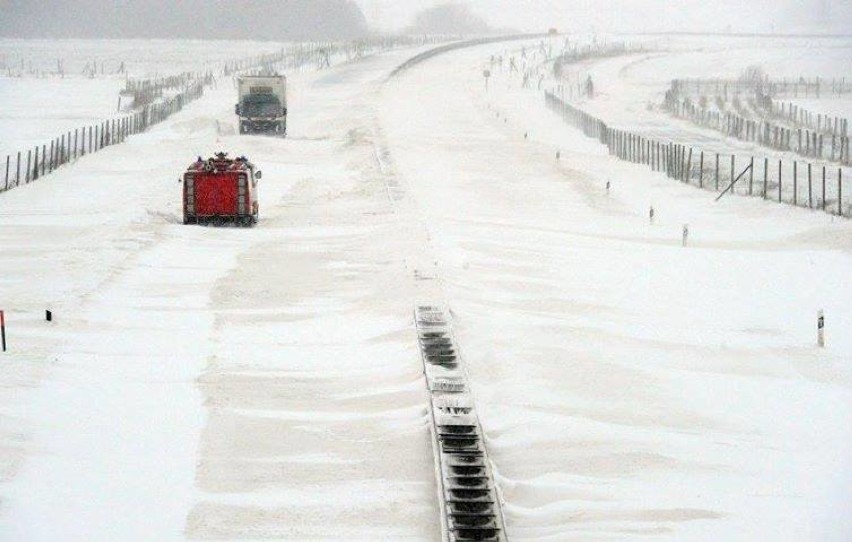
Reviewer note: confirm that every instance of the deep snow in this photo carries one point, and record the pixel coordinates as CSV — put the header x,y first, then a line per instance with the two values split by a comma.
x,y
204,383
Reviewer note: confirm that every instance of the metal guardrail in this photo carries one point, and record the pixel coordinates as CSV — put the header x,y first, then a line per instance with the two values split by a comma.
x,y
469,500
423,57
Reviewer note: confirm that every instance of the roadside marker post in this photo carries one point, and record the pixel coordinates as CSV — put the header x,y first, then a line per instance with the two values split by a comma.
x,y
3,330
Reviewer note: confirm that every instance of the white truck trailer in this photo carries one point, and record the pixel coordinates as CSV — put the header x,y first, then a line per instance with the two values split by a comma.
x,y
262,105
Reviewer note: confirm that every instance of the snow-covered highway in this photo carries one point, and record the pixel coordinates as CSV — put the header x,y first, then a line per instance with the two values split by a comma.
x,y
245,384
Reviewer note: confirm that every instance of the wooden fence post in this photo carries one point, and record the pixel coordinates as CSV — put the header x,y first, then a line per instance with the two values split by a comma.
x,y
840,191
779,181
18,170
675,160
717,172
733,170
751,177
701,172
823,188
765,177
795,183
658,156
672,160
688,171
29,159
810,189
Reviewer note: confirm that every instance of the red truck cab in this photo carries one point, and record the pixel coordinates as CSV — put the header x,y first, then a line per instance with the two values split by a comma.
x,y
220,190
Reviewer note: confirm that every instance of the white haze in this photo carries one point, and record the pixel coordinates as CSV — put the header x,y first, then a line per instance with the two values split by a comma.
x,y
749,16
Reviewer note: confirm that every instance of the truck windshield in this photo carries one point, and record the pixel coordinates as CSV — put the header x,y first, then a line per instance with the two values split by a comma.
x,y
261,105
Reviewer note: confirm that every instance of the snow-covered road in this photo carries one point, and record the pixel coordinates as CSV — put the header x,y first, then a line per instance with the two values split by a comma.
x,y
216,383
233,384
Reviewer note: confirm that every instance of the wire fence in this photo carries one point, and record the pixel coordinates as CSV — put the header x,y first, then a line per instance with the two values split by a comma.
x,y
154,100
802,184
803,141
756,117
790,88
42,160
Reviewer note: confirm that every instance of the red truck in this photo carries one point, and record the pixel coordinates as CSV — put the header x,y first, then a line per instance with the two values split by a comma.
x,y
220,190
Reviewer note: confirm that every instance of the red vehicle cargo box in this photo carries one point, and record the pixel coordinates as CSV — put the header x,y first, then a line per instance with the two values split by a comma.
x,y
220,190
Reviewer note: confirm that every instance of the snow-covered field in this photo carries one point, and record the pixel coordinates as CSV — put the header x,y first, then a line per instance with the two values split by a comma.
x,y
140,58
625,87
833,106
232,384
36,105
34,111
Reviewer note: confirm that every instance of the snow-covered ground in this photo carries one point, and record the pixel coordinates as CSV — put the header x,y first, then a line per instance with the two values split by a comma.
x,y
833,106
215,383
631,388
232,384
37,106
140,58
34,111
629,91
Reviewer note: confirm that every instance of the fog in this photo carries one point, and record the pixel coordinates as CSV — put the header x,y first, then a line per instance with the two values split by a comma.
x,y
748,16
223,19
345,19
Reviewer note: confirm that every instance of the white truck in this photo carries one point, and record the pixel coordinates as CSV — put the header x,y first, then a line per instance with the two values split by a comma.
x,y
262,105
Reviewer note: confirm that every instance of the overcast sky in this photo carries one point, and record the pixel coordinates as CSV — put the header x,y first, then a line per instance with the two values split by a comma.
x,y
340,19
631,15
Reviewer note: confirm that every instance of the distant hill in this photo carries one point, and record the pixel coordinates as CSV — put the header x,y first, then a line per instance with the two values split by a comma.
x,y
273,20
